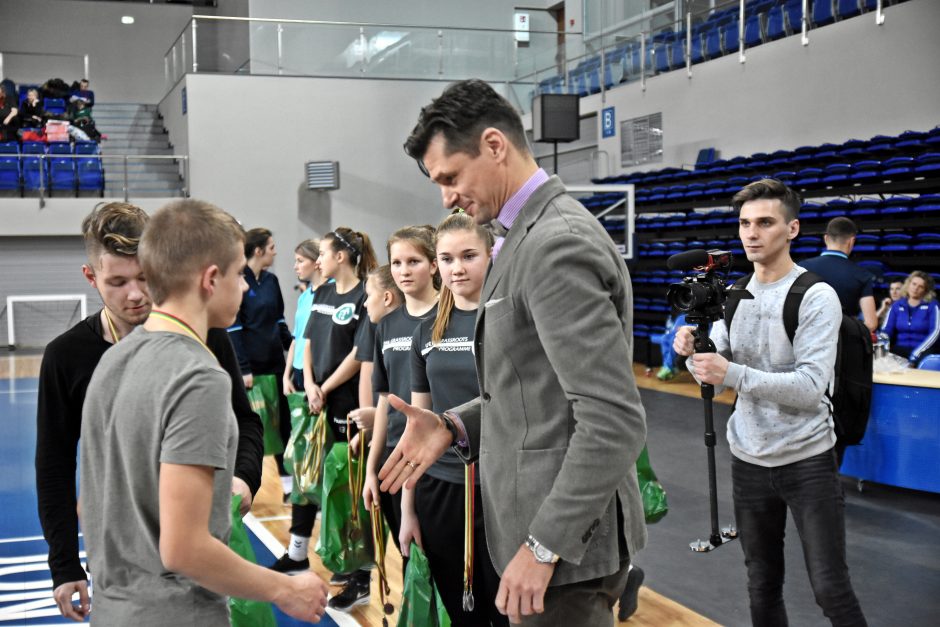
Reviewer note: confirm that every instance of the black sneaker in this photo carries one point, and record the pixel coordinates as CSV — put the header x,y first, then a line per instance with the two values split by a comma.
x,y
288,566
349,597
340,579
630,597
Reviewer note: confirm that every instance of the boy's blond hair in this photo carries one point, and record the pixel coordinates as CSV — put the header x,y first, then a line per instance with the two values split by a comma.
x,y
181,240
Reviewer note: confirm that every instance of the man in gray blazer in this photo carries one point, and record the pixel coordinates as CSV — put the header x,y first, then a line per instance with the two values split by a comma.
x,y
559,424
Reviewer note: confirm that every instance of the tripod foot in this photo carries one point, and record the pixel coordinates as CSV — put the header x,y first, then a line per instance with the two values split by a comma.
x,y
730,532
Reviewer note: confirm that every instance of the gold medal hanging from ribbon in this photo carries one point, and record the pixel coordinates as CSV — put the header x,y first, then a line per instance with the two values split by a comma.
x,y
378,540
469,476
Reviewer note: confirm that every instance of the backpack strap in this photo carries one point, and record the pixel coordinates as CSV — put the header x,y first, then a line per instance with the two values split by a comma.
x,y
731,305
791,306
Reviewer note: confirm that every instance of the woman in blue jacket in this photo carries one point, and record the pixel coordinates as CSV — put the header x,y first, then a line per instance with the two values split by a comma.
x,y
913,322
260,334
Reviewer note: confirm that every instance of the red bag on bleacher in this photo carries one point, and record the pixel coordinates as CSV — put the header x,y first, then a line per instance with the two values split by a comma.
x,y
57,131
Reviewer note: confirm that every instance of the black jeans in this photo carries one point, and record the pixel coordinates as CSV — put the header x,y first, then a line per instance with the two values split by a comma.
x,y
810,490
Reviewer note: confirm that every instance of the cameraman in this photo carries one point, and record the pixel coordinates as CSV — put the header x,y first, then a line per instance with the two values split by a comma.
x,y
781,434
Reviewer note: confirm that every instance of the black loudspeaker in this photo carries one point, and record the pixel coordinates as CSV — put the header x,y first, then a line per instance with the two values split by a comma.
x,y
555,118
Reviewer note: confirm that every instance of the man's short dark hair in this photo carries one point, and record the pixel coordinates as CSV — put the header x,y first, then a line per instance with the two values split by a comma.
x,y
841,229
770,189
461,113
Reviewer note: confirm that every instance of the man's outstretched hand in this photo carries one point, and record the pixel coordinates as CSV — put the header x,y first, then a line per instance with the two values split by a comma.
x,y
425,439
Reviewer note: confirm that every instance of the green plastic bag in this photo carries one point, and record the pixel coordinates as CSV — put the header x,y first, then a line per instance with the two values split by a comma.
x,y
246,613
305,453
345,543
652,491
264,401
421,604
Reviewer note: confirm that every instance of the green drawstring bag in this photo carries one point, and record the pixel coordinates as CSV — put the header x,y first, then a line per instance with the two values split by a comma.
x,y
263,398
421,604
246,613
345,543
304,455
652,491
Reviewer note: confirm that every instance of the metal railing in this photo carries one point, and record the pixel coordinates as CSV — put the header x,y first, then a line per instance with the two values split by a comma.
x,y
286,47
608,49
124,160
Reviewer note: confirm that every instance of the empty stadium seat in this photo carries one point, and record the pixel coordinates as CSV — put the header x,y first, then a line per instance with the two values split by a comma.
x,y
9,172
823,12
896,243
848,8
90,174
730,37
866,243
59,148
753,31
9,148
61,174
54,106
776,23
930,362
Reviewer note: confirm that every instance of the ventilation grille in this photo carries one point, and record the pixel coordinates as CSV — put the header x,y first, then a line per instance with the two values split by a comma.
x,y
322,175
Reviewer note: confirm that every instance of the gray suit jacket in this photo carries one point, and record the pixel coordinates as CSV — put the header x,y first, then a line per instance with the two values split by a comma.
x,y
559,424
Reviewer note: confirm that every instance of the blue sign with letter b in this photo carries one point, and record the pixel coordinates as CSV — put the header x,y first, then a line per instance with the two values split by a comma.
x,y
608,124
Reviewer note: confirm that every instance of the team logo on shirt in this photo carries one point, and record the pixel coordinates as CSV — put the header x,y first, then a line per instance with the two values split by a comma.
x,y
344,313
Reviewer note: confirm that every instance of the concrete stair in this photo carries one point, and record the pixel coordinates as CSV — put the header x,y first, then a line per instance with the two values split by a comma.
x,y
136,129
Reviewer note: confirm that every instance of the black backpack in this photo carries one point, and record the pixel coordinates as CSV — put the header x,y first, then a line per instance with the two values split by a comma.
x,y
851,399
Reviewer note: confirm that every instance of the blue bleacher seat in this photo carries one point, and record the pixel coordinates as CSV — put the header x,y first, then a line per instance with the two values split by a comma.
x,y
90,174
677,52
930,362
848,8
730,37
87,148
58,148
54,106
10,176
823,12
61,174
698,49
713,43
896,243
927,164
898,168
897,205
808,177
661,56
753,33
9,148
837,173
928,204
776,23
33,170
866,207
866,243
34,148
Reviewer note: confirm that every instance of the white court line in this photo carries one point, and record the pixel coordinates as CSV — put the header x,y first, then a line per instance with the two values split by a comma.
x,y
23,539
265,519
32,391
276,548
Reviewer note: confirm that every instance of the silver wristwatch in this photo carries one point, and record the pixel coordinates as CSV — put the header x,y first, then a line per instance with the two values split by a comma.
x,y
541,553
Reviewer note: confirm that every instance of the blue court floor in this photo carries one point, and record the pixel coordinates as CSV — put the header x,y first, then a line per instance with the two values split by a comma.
x,y
25,582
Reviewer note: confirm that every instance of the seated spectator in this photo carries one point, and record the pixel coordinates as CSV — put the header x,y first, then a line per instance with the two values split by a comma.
x,y
913,322
894,293
82,120
8,118
668,371
32,113
83,94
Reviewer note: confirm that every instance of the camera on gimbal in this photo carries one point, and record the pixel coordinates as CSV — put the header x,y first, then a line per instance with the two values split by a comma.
x,y
700,296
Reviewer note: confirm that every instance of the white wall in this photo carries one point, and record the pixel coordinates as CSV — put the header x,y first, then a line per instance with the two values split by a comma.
x,y
853,80
255,170
126,61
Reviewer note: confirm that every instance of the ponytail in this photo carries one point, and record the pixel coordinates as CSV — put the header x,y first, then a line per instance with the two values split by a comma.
x,y
367,259
445,305
358,249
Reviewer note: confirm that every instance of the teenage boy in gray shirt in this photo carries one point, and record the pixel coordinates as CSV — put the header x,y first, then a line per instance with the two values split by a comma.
x,y
158,444
781,433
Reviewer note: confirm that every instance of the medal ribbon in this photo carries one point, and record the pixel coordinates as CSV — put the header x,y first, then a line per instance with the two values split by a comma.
x,y
111,327
469,476
188,330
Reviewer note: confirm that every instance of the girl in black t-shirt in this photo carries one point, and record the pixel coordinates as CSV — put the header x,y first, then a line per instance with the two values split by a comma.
x,y
382,298
411,257
331,376
444,376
